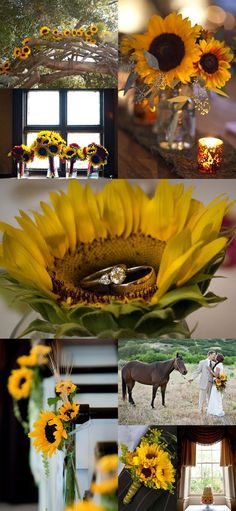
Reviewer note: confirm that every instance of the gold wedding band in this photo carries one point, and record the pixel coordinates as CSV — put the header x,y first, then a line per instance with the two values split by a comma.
x,y
120,280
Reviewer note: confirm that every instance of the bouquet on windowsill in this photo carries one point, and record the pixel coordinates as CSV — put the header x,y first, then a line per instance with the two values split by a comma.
x,y
22,154
150,464
221,382
54,431
115,263
97,157
173,53
26,382
105,487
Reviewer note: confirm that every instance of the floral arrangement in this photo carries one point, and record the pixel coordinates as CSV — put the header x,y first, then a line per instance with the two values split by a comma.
x,y
221,382
106,488
54,431
49,144
176,241
29,46
173,53
150,464
25,381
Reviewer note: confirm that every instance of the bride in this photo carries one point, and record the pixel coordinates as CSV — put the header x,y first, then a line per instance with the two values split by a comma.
x,y
215,404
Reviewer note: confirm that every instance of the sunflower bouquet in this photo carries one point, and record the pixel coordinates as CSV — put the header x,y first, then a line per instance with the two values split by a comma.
x,y
115,263
25,382
221,382
96,155
22,154
150,464
48,144
70,154
171,55
53,431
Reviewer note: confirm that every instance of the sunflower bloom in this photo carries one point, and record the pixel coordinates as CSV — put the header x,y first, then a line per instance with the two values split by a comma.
x,y
65,388
86,505
36,356
44,31
48,433
20,383
172,41
84,232
106,486
69,411
214,63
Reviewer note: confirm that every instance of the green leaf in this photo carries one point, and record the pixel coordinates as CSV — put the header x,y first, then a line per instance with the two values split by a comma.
x,y
53,400
130,81
99,321
151,60
38,325
76,313
192,293
71,329
48,309
154,320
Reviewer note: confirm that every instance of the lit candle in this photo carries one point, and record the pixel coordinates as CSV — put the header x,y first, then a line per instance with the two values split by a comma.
x,y
209,154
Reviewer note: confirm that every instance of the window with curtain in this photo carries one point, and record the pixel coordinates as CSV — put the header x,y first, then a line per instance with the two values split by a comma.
x,y
207,471
80,116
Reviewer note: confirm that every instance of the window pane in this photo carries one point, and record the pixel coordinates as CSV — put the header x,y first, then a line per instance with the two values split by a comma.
x,y
83,139
39,163
207,471
43,108
83,108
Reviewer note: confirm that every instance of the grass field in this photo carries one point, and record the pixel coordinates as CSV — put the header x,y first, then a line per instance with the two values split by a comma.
x,y
181,403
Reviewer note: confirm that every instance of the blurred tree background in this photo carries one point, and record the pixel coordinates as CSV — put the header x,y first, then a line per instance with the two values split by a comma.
x,y
21,18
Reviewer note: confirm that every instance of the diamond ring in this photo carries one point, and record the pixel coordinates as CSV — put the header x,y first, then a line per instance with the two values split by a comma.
x,y
120,280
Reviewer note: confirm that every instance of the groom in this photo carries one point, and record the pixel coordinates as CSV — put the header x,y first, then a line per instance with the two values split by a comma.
x,y
205,380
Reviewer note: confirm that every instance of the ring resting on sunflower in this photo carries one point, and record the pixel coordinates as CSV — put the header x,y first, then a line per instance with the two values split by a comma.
x,y
120,280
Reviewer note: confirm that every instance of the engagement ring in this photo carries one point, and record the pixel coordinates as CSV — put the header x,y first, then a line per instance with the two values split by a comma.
x,y
120,280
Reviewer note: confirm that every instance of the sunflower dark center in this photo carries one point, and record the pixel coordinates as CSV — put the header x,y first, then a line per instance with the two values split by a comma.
x,y
53,148
169,50
42,151
68,413
146,472
95,159
150,456
209,63
49,433
21,382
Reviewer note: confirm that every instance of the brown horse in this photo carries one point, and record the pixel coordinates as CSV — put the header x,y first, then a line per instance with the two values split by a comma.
x,y
156,374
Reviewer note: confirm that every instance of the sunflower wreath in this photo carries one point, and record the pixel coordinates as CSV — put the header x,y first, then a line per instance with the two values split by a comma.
x,y
173,53
151,464
25,382
83,232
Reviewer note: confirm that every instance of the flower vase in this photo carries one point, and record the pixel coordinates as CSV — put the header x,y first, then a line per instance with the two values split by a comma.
x,y
20,170
70,485
70,171
52,172
175,125
99,171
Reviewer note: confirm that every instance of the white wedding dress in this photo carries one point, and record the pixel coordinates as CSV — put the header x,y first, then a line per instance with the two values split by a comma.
x,y
215,404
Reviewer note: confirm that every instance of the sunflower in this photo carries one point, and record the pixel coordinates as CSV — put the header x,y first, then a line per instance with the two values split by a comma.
x,y
65,388
40,151
69,411
172,41
44,31
68,152
67,32
80,31
106,486
145,474
55,32
214,63
35,357
93,29
89,40
26,41
165,475
149,454
23,56
84,232
16,52
48,433
85,505
53,148
20,383
88,33
26,50
74,32
108,463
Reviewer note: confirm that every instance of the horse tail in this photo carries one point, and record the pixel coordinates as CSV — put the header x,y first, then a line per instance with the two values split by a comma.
x,y
123,387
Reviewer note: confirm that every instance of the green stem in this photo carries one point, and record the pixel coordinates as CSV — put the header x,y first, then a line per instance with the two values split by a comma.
x,y
18,416
71,483
135,486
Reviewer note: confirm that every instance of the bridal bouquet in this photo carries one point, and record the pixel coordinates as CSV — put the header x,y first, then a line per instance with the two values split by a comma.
x,y
26,382
54,431
150,464
173,53
115,263
221,382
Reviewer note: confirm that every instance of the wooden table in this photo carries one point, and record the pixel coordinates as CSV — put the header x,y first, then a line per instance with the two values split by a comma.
x,y
136,161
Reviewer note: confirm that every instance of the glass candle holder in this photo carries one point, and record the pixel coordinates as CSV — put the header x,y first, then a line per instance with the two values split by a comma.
x,y
210,154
